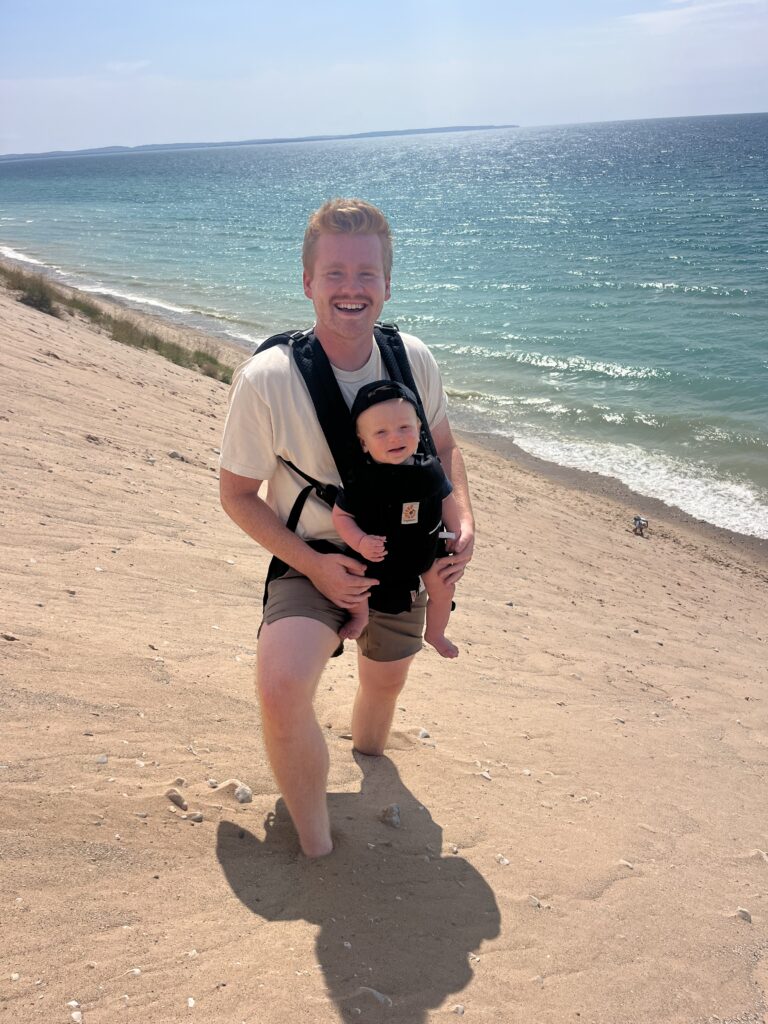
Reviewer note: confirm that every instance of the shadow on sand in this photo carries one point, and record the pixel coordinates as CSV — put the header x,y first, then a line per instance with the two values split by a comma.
x,y
397,921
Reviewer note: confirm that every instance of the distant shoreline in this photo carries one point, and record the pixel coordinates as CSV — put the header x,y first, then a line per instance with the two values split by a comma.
x,y
164,146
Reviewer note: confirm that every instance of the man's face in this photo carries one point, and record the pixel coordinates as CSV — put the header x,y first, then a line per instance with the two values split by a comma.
x,y
389,431
347,286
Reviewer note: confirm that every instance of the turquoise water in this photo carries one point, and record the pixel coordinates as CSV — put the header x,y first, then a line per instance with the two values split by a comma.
x,y
598,292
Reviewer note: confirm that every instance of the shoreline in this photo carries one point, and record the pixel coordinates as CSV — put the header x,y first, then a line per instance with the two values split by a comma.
x,y
232,353
613,490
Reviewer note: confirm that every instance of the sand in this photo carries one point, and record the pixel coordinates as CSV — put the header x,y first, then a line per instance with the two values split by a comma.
x,y
584,829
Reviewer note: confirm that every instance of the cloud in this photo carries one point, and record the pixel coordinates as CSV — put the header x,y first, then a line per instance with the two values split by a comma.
x,y
688,13
125,67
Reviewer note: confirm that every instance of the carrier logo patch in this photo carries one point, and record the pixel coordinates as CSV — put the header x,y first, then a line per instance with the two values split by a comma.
x,y
410,513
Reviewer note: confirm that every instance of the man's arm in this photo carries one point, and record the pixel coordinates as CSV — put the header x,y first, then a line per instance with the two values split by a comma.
x,y
451,569
339,577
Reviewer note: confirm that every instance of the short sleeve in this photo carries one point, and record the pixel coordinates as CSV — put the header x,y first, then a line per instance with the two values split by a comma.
x,y
247,447
427,376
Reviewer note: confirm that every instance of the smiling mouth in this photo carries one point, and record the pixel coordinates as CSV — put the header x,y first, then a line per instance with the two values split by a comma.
x,y
350,307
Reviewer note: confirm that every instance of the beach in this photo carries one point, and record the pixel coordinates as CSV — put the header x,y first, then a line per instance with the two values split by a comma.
x,y
583,832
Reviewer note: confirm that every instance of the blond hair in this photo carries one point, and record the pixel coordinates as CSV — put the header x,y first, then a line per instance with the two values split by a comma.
x,y
347,217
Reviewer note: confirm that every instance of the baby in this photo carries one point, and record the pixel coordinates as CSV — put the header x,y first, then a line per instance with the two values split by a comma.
x,y
394,510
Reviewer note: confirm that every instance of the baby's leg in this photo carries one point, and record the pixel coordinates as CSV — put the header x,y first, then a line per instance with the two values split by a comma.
x,y
358,620
438,613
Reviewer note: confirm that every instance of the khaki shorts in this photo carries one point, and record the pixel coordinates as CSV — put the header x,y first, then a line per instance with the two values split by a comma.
x,y
386,637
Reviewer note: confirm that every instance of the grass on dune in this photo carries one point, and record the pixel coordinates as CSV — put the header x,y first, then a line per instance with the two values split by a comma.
x,y
35,291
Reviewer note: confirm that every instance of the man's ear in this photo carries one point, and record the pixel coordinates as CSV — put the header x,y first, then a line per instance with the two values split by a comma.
x,y
307,282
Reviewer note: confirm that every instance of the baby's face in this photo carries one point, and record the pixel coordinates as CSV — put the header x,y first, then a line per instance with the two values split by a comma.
x,y
389,431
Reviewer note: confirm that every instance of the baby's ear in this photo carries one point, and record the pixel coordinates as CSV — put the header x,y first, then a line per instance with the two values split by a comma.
x,y
362,444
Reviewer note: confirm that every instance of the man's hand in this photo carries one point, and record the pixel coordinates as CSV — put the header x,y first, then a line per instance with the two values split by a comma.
x,y
451,568
373,548
342,579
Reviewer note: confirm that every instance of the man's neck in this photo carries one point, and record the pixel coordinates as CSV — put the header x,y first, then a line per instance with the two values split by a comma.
x,y
346,353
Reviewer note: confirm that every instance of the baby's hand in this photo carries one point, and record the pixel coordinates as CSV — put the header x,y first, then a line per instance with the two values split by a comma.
x,y
373,548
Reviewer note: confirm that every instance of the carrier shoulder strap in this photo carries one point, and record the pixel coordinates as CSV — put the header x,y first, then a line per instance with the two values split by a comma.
x,y
395,358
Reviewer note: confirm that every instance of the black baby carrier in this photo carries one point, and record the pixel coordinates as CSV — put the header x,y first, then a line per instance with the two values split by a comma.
x,y
336,420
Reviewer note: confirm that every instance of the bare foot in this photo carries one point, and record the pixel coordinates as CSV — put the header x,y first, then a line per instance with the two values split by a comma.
x,y
355,625
442,645
315,850
351,630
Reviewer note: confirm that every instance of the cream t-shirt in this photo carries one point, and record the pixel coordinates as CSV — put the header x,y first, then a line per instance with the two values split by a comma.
x,y
271,414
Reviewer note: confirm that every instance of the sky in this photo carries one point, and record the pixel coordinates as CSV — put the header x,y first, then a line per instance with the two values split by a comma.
x,y
78,74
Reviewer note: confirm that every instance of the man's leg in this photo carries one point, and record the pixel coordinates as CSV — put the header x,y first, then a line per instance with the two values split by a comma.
x,y
374,708
291,655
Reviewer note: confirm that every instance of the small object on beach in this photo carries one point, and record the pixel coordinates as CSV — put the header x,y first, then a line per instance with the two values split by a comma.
x,y
77,1016
213,783
140,814
423,734
176,455
347,945
176,798
102,759
9,636
640,525
380,998
99,569
179,781
534,901
391,816
526,771
744,914
73,1004
454,848
486,775
502,859
197,816
135,971
458,1010
93,439
15,976
626,864
190,1002
244,794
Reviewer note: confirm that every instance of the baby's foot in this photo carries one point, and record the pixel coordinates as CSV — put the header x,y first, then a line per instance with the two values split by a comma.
x,y
442,645
352,629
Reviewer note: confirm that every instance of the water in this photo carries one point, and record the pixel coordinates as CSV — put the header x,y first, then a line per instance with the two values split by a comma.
x,y
598,292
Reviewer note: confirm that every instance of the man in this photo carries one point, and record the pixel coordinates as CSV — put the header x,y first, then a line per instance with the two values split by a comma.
x,y
347,259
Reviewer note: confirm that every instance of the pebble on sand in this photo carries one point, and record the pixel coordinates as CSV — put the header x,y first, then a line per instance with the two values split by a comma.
x,y
380,998
744,914
176,798
423,734
234,787
391,816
